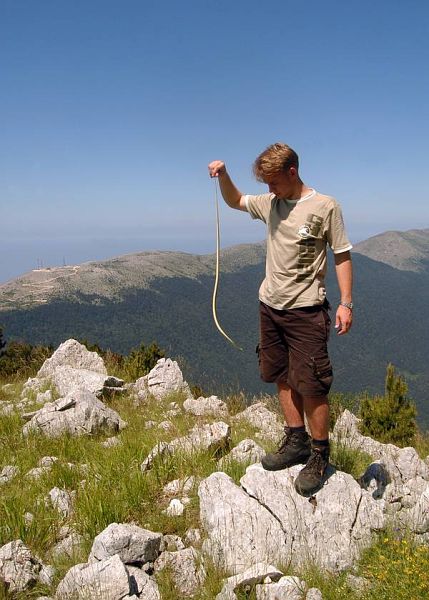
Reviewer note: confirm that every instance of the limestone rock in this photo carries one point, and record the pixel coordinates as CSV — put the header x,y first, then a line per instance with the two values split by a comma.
x,y
314,594
164,379
241,532
72,354
173,410
287,588
180,486
111,442
43,397
193,537
19,569
69,546
79,413
187,573
47,461
175,508
246,452
8,473
46,575
212,436
62,500
107,579
7,408
131,543
142,585
28,518
254,574
398,478
171,543
206,407
342,516
260,417
402,464
66,379
37,472
265,520
72,367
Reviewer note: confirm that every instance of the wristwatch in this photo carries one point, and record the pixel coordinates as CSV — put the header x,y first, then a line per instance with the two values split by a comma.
x,y
348,305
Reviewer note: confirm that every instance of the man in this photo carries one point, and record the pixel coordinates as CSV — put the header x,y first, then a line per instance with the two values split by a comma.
x,y
294,319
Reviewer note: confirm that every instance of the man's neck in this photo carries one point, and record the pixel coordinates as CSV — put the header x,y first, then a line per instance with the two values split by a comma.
x,y
299,191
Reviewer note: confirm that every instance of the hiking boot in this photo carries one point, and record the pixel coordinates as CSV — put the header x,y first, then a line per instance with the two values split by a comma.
x,y
312,476
294,449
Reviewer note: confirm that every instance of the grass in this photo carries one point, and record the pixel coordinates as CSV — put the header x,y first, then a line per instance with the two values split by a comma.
x,y
110,487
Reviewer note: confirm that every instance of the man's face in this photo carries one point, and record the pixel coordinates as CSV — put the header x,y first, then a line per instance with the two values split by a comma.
x,y
282,184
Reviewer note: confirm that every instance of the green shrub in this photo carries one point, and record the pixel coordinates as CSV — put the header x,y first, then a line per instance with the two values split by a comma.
x,y
390,418
137,364
141,360
19,359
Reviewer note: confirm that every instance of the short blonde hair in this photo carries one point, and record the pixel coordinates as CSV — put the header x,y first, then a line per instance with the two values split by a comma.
x,y
274,159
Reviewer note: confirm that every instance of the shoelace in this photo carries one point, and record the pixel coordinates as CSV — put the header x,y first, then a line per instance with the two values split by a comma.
x,y
284,442
217,272
316,463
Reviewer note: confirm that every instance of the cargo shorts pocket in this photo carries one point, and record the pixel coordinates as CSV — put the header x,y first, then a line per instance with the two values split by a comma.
x,y
322,369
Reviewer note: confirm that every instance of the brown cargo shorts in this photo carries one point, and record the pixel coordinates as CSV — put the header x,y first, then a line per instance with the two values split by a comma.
x,y
293,349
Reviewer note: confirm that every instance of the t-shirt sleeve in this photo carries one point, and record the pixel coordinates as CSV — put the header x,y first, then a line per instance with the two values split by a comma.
x,y
259,206
336,233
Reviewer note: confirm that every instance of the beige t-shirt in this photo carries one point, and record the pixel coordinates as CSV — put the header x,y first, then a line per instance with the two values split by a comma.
x,y
297,234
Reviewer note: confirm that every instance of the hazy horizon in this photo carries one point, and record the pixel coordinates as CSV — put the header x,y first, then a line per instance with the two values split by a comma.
x,y
25,255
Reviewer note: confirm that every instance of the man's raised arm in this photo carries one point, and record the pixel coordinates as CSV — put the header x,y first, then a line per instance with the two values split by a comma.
x,y
232,196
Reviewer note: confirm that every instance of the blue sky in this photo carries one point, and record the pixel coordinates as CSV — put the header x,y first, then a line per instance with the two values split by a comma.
x,y
110,112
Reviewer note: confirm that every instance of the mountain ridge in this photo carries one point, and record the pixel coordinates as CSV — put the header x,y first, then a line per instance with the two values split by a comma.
x,y
404,250
174,309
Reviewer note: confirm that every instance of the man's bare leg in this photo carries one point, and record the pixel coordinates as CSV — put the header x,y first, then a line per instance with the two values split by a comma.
x,y
292,405
317,412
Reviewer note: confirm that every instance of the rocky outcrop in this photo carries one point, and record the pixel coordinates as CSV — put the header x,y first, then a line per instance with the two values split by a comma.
x,y
164,379
265,520
78,413
246,452
108,578
206,407
263,419
206,437
133,544
72,367
186,569
255,574
8,473
397,478
19,569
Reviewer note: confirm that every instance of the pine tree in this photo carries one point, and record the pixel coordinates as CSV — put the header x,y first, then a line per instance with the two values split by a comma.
x,y
390,418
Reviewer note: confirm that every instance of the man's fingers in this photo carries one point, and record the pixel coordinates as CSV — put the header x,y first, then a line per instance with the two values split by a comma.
x,y
216,167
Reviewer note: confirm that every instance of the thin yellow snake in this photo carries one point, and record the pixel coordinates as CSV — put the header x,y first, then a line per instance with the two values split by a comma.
x,y
217,271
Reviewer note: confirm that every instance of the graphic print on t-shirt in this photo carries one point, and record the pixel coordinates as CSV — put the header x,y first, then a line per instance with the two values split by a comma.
x,y
307,246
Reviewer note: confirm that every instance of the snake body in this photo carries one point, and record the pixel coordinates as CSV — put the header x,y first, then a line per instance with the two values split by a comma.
x,y
214,299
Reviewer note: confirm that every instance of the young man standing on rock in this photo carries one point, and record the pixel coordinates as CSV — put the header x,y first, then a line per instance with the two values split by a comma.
x,y
294,319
